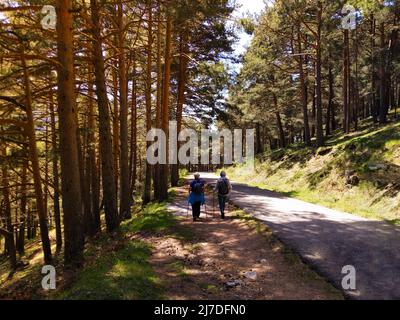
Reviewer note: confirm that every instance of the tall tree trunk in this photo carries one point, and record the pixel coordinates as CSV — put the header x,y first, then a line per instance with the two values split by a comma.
x,y
94,176
156,173
330,113
148,94
382,75
346,80
86,219
166,105
282,138
7,233
303,88
71,188
115,129
356,86
319,123
86,176
313,108
182,81
125,196
109,185
374,109
258,139
21,234
281,131
56,177
134,133
46,174
30,131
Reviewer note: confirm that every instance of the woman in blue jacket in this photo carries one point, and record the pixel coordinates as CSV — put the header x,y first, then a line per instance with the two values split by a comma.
x,y
197,195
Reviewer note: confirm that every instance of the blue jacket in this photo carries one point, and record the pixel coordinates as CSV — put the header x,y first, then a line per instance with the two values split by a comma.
x,y
193,198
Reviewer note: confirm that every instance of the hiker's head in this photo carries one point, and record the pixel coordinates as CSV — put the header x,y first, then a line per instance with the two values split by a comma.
x,y
223,174
197,176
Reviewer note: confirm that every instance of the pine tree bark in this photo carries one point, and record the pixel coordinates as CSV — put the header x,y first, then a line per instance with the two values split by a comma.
x,y
106,148
86,177
125,196
356,85
319,123
148,93
303,88
163,195
7,233
156,173
71,188
21,235
94,176
30,131
330,121
56,177
382,75
374,109
134,134
115,129
182,82
281,131
346,80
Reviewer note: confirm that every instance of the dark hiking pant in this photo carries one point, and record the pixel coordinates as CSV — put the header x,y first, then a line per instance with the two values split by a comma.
x,y
196,208
222,204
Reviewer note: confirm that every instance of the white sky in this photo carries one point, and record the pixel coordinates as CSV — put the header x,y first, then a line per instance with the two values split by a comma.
x,y
253,6
248,6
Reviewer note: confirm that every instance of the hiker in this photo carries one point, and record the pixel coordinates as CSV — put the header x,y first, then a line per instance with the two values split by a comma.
x,y
196,195
223,188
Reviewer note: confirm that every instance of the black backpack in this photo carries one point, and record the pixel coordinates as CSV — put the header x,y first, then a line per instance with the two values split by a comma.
x,y
198,188
223,188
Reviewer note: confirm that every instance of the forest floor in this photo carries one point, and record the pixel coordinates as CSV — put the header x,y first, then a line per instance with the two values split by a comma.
x,y
162,254
213,263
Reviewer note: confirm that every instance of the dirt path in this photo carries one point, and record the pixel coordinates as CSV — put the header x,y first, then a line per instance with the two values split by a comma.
x,y
212,262
329,240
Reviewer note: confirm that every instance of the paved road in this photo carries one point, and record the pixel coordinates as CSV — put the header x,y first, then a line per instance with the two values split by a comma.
x,y
328,240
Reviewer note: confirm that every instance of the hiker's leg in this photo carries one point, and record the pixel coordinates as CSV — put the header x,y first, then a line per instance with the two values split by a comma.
x,y
199,210
196,209
221,202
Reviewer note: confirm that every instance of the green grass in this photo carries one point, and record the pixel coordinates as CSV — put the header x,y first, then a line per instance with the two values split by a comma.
x,y
122,275
318,175
125,273
179,268
154,218
183,173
